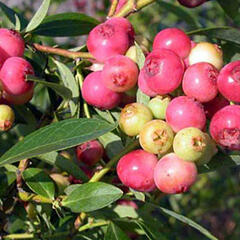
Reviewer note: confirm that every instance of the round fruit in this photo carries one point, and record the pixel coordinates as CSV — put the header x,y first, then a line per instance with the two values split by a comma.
x,y
95,93
90,152
225,127
158,106
135,170
183,112
133,117
229,81
200,82
173,39
163,71
107,40
206,52
190,144
156,137
13,76
173,175
7,117
120,73
143,86
191,3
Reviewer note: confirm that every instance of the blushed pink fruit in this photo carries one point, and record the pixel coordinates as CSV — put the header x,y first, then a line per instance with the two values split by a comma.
x,y
11,43
229,81
183,112
13,76
120,73
143,86
173,39
163,71
135,170
90,152
215,105
107,40
95,93
191,3
173,175
225,127
200,82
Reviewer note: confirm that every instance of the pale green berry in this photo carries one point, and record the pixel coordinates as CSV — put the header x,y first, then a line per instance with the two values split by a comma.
x,y
7,117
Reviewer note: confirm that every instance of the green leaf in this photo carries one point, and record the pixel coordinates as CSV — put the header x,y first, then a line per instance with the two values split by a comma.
x,y
142,98
230,7
91,196
56,136
228,34
62,91
66,25
140,56
11,15
115,233
185,220
70,82
39,16
71,188
39,182
57,160
7,178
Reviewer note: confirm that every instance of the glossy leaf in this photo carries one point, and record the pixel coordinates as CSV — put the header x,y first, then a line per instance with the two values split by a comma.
x,y
39,16
56,136
140,56
91,196
230,7
142,98
66,25
115,233
39,182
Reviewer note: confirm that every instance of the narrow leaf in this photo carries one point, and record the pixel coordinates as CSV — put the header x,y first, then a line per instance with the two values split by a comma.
x,y
91,196
142,98
115,233
140,56
39,16
230,7
39,182
56,136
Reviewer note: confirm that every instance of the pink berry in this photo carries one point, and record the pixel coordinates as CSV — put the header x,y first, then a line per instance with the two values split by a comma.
x,y
225,127
183,112
163,71
11,43
13,76
90,152
229,81
128,203
120,73
143,86
173,175
135,170
215,105
107,40
95,93
173,39
191,3
200,82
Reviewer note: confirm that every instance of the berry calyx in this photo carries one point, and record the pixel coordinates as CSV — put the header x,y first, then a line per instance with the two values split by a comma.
x,y
135,170
173,175
156,137
7,117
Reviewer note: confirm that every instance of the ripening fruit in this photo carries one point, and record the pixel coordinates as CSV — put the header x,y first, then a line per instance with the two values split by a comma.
x,y
90,152
13,76
163,71
120,73
225,127
229,81
173,39
135,170
143,86
133,117
107,40
61,182
200,82
156,137
158,106
7,117
11,43
190,144
95,93
173,175
183,112
191,3
206,52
